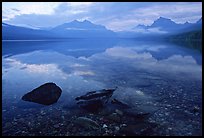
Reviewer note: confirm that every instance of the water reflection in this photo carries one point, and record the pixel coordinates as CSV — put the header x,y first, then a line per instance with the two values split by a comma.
x,y
145,72
114,63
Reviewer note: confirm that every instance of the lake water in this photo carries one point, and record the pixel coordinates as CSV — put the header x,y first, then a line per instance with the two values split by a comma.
x,y
150,75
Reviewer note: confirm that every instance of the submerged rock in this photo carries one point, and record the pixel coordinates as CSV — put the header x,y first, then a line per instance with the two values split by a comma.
x,y
95,100
136,113
87,123
96,94
120,103
91,105
45,94
141,112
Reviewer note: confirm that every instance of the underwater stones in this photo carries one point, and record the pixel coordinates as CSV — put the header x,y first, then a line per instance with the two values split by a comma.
x,y
87,123
8,125
45,94
138,129
114,117
94,100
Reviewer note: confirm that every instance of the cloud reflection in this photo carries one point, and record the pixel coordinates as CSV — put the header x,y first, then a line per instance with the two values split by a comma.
x,y
174,65
116,66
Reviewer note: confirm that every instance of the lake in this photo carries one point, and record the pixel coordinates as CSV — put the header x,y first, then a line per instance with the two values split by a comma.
x,y
162,78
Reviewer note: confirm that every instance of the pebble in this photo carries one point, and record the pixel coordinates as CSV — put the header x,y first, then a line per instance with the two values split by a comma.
x,y
42,113
105,126
119,112
167,114
123,125
196,109
56,126
14,119
169,128
177,107
117,128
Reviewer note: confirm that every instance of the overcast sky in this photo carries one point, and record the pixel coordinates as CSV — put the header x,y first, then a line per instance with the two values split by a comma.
x,y
116,16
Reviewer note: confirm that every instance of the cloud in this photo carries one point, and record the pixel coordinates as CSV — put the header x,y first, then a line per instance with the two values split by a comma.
x,y
178,12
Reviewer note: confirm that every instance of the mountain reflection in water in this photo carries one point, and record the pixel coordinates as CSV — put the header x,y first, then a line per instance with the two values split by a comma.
x,y
147,73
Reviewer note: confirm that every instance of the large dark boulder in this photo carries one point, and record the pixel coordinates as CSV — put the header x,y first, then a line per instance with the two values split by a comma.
x,y
46,94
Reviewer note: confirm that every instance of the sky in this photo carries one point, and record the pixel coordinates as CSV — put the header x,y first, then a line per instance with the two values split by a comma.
x,y
116,16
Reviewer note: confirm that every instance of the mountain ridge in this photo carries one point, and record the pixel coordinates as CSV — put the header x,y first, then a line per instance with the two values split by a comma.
x,y
165,24
72,29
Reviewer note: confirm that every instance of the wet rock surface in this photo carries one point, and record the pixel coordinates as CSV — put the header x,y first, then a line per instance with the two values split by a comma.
x,y
45,94
94,100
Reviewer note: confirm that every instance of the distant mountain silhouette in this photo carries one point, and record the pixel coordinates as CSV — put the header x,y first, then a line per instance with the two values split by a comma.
x,y
74,29
77,25
199,21
86,29
169,26
82,29
11,32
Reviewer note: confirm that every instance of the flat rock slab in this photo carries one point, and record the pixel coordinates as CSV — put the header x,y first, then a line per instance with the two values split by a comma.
x,y
94,100
45,94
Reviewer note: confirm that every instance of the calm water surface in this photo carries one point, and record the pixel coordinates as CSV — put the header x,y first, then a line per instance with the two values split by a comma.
x,y
151,75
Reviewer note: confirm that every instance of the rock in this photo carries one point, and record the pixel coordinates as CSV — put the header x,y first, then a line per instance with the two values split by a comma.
x,y
46,94
136,114
56,126
195,109
94,100
105,126
119,112
91,105
123,125
42,113
114,117
120,103
117,128
87,123
96,94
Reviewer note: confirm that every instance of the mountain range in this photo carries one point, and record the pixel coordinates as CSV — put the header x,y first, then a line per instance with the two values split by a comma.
x,y
74,29
166,25
82,29
87,29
